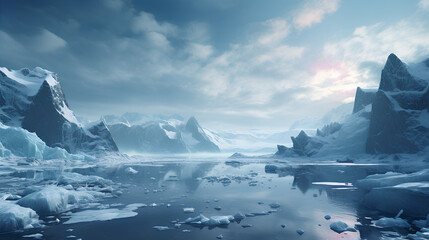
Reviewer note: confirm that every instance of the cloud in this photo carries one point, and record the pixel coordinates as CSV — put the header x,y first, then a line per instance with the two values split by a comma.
x,y
314,11
146,22
47,41
199,51
424,4
278,30
113,4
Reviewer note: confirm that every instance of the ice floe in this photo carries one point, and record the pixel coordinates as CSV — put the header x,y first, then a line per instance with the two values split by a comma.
x,y
104,214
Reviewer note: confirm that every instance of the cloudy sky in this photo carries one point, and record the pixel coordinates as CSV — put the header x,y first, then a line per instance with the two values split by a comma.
x,y
234,64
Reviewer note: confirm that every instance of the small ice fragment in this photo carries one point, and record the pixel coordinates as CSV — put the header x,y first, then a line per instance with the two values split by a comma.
x,y
220,236
168,205
70,230
239,216
274,205
131,170
216,200
188,210
186,230
177,225
13,197
160,228
153,205
71,236
35,236
392,222
246,225
152,178
260,203
283,225
300,231
315,195
327,217
340,227
218,208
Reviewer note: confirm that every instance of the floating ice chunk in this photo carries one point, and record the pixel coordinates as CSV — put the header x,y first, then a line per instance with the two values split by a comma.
x,y
131,170
104,214
71,236
274,205
340,227
420,235
327,217
35,236
393,178
218,208
246,225
220,236
13,197
300,231
283,225
392,222
76,179
14,217
188,210
391,199
161,228
186,230
239,216
211,221
53,199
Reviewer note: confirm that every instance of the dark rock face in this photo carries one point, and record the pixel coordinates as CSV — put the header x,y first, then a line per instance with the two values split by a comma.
x,y
395,77
363,98
399,116
43,117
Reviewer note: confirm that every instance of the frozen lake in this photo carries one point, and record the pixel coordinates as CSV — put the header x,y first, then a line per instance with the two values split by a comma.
x,y
278,199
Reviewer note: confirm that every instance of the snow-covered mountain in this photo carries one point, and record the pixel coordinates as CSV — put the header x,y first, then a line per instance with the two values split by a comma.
x,y
392,119
34,100
161,134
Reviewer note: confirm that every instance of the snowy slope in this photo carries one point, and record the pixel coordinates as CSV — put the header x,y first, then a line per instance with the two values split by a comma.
x,y
34,100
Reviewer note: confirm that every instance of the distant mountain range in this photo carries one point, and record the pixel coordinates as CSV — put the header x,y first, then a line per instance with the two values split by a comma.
x,y
140,133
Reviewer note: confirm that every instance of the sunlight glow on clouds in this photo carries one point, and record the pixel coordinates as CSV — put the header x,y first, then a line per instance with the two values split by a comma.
x,y
138,60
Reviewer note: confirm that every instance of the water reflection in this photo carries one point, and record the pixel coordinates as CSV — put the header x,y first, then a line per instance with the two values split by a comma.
x,y
305,194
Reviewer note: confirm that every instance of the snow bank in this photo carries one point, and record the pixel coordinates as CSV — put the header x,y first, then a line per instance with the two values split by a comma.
x,y
52,199
14,217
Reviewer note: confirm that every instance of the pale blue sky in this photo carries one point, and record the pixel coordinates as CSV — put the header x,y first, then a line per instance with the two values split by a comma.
x,y
234,64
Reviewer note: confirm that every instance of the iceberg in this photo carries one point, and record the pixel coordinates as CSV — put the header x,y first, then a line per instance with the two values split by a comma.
x,y
52,199
14,217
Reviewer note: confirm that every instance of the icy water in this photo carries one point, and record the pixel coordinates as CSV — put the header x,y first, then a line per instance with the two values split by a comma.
x,y
304,194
